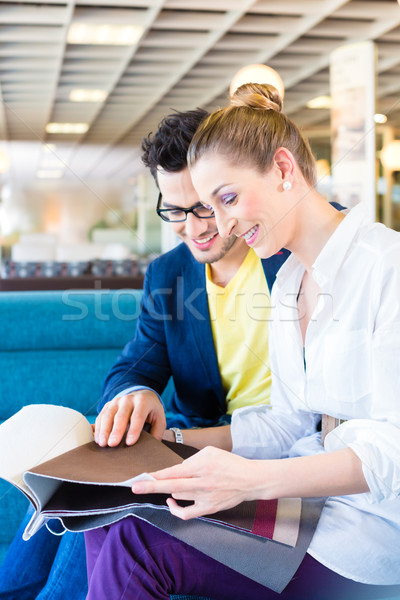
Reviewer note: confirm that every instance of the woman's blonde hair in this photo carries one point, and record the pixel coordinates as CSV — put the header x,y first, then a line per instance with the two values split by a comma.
x,y
250,130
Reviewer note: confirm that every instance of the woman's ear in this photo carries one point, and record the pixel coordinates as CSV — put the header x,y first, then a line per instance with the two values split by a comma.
x,y
284,161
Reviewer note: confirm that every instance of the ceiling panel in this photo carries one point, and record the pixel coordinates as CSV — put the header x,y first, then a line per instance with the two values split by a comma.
x,y
187,54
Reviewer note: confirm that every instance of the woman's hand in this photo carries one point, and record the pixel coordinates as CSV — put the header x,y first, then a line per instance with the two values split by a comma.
x,y
213,479
217,480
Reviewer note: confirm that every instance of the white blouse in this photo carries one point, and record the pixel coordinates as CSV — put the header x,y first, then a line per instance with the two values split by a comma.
x,y
352,358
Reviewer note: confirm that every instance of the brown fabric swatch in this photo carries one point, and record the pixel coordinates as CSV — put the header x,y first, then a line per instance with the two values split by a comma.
x,y
91,476
92,464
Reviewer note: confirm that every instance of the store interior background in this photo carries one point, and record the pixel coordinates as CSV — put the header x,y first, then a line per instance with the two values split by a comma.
x,y
82,82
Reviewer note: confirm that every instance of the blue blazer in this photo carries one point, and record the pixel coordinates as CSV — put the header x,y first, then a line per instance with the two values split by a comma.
x,y
174,339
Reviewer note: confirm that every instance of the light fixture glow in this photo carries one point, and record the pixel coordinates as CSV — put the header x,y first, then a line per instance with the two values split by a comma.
x,y
67,127
49,148
50,162
257,74
82,95
323,168
116,35
320,102
4,161
380,118
390,155
49,174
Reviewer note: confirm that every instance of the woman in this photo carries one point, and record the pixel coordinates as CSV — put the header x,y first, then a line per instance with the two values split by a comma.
x,y
335,350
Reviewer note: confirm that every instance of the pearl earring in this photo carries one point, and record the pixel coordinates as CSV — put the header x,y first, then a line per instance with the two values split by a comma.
x,y
287,186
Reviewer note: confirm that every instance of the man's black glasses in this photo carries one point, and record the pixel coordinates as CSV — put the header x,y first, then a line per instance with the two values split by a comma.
x,y
175,215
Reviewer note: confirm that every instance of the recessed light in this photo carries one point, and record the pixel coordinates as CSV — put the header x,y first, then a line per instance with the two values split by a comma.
x,y
51,162
49,148
67,127
380,118
118,35
82,95
49,173
320,102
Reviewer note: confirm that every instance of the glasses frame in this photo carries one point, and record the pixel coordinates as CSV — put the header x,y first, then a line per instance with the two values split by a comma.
x,y
161,211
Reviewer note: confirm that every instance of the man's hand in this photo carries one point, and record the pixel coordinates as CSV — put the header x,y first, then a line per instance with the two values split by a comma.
x,y
133,411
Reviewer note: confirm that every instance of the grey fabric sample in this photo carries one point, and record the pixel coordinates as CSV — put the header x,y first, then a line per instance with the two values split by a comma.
x,y
269,563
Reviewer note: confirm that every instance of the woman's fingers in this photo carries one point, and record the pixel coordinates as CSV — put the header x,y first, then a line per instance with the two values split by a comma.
x,y
184,512
212,479
166,486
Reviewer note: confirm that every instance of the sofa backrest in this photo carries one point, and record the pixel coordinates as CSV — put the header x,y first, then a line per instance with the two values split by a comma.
x,y
56,347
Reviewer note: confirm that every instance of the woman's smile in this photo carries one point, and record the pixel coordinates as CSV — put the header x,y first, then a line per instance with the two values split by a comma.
x,y
251,235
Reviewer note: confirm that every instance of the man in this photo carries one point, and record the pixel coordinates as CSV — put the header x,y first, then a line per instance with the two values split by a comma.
x,y
189,329
191,326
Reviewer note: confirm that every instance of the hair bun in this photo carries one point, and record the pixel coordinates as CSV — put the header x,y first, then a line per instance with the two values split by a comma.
x,y
259,96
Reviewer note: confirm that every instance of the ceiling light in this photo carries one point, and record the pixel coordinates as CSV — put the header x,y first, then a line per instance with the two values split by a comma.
x,y
320,102
118,35
49,173
51,162
79,95
67,127
390,155
257,74
49,148
379,118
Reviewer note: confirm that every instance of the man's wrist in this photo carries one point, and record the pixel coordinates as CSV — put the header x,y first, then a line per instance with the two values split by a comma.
x,y
168,436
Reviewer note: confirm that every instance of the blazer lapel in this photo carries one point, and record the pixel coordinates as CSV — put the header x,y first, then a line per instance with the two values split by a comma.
x,y
272,265
198,316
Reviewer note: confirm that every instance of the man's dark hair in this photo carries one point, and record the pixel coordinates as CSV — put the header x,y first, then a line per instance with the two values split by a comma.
x,y
168,147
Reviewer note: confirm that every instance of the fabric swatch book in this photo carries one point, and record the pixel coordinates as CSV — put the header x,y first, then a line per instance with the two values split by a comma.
x,y
48,453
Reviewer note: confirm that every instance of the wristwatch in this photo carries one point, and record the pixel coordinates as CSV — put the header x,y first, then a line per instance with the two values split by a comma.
x,y
178,435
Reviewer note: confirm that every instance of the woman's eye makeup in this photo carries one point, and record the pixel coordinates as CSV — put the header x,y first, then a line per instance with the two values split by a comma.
x,y
229,199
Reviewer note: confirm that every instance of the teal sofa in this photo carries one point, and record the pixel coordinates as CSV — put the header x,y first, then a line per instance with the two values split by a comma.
x,y
56,348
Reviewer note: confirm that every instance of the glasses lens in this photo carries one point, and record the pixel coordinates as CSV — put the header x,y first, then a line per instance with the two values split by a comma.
x,y
172,215
203,212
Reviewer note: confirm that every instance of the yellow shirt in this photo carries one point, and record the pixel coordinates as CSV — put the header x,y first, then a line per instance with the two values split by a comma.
x,y
239,316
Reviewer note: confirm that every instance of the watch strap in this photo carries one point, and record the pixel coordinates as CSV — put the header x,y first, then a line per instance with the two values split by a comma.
x,y
178,435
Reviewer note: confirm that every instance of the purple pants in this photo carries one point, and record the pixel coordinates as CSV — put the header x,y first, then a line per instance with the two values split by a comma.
x,y
132,560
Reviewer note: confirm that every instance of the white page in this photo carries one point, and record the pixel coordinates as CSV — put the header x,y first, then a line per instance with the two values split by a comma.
x,y
37,433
